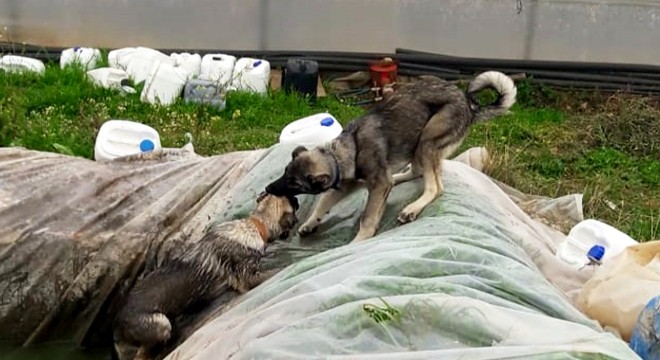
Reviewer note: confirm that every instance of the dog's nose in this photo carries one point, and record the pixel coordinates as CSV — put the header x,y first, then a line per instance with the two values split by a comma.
x,y
275,188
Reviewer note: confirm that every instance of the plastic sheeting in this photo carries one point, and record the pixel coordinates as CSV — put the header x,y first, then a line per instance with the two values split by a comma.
x,y
74,233
474,277
460,277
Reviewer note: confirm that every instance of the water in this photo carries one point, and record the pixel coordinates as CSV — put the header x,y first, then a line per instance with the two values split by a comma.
x,y
52,351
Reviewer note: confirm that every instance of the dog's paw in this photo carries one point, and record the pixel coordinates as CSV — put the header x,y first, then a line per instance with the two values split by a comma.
x,y
360,238
407,216
306,229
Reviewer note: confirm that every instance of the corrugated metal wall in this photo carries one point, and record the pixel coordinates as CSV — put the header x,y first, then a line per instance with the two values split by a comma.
x,y
612,31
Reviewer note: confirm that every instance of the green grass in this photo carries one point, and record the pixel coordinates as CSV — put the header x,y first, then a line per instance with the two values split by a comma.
x,y
63,108
552,144
606,148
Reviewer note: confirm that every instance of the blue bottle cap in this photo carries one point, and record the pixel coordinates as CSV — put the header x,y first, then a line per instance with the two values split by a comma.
x,y
327,122
256,63
146,145
76,48
596,253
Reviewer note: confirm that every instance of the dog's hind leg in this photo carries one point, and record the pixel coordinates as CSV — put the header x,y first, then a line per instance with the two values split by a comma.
x,y
439,140
432,184
373,211
326,201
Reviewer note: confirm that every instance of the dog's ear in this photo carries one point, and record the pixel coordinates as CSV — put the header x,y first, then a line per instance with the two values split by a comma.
x,y
297,151
321,181
288,222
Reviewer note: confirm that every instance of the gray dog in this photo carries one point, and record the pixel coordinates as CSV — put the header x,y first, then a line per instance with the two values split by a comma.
x,y
227,256
419,125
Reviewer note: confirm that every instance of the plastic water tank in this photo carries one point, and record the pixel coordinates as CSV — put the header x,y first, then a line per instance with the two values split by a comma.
x,y
204,92
645,334
218,68
164,84
190,63
118,138
141,62
84,56
301,76
311,130
252,75
21,64
108,77
119,58
592,240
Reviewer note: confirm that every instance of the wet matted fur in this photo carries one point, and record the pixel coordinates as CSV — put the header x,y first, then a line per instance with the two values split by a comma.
x,y
227,256
418,126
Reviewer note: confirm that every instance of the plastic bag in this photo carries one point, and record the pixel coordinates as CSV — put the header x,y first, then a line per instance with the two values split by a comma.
x,y
622,286
75,233
460,283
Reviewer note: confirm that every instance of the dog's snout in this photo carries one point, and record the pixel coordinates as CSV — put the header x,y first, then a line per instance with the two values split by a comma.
x,y
275,188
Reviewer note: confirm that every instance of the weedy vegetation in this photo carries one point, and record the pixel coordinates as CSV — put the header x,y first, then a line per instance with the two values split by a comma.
x,y
553,143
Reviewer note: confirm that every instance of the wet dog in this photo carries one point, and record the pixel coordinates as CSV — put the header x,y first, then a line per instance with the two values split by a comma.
x,y
227,256
417,127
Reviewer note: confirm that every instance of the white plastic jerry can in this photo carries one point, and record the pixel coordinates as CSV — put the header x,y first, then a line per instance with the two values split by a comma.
x,y
312,130
164,84
21,64
218,68
592,241
119,138
84,56
252,75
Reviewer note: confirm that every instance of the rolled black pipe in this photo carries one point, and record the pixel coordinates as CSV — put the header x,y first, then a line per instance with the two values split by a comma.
x,y
329,60
339,67
555,82
650,76
443,75
414,66
417,52
597,85
529,64
280,53
592,77
603,90
336,62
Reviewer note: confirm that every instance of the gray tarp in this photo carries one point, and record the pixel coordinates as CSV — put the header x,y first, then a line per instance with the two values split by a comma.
x,y
468,274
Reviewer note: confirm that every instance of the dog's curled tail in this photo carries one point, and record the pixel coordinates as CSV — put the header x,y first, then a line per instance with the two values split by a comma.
x,y
499,82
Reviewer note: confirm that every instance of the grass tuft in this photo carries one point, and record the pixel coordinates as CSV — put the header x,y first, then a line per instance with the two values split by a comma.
x,y
554,143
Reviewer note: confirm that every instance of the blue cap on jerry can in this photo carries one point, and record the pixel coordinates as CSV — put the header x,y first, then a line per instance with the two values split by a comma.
x,y
596,253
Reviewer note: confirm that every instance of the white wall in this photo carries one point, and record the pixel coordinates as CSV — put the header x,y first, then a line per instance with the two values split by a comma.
x,y
612,31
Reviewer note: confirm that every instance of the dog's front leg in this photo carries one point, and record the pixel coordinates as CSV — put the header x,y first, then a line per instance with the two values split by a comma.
x,y
326,201
373,211
262,276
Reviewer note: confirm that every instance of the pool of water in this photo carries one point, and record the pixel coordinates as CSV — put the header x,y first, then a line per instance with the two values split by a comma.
x,y
53,351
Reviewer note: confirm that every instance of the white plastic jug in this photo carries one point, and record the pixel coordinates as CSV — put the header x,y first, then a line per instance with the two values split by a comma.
x,y
251,75
119,58
142,60
118,138
592,239
311,130
218,68
86,57
108,77
190,63
164,84
21,64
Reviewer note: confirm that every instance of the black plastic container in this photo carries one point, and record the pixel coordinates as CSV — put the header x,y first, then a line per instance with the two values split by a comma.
x,y
301,76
